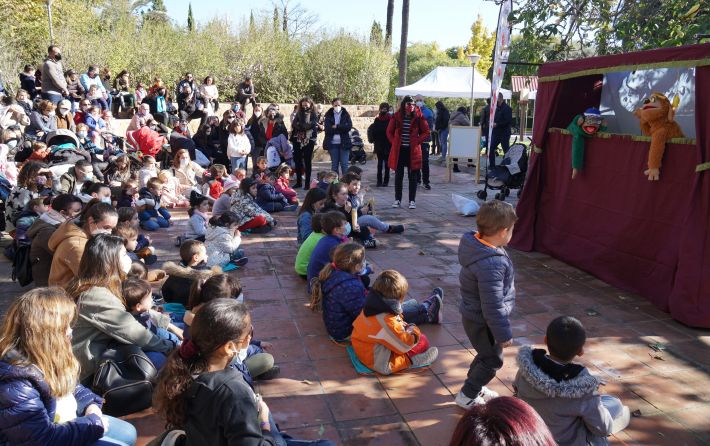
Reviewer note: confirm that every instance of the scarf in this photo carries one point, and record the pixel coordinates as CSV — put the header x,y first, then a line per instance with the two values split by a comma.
x,y
52,217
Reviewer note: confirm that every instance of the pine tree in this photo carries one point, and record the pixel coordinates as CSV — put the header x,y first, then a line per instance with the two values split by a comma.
x,y
159,6
482,42
285,21
252,23
376,34
190,19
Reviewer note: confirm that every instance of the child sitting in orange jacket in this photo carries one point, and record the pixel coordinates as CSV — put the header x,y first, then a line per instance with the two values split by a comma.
x,y
382,340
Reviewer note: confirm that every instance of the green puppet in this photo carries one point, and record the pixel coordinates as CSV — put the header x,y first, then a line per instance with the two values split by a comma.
x,y
581,127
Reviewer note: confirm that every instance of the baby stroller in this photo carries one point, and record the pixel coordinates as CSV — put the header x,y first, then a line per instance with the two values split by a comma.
x,y
357,153
510,174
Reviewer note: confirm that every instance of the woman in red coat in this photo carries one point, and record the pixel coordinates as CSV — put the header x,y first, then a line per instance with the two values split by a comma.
x,y
406,131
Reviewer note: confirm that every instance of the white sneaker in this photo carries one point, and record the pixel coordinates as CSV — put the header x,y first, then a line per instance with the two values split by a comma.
x,y
487,394
396,204
412,205
465,402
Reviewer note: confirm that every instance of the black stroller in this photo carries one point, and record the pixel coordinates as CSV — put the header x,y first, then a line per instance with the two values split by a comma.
x,y
357,153
510,174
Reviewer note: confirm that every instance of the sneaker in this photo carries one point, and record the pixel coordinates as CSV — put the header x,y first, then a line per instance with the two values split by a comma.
x,y
465,402
270,374
435,312
396,204
395,229
178,241
412,205
426,358
240,262
370,243
427,186
487,394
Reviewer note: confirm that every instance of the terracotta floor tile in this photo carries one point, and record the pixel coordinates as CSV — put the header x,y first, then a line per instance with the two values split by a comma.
x,y
292,412
321,347
380,431
296,378
356,402
336,372
438,336
434,427
669,392
317,432
657,430
288,350
417,392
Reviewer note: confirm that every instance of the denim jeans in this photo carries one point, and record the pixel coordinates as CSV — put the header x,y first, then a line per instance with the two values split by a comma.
x,y
238,161
158,359
54,98
119,433
152,220
339,157
444,142
286,440
372,222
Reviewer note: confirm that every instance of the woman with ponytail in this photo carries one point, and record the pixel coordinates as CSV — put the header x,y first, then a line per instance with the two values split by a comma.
x,y
200,393
339,291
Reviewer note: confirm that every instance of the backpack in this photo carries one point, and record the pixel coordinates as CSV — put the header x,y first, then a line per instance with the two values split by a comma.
x,y
22,265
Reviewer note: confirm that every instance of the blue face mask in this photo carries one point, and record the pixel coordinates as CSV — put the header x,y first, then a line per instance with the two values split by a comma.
x,y
235,108
348,229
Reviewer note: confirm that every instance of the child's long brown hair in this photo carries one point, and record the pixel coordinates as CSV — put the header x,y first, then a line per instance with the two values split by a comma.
x,y
37,327
346,257
218,322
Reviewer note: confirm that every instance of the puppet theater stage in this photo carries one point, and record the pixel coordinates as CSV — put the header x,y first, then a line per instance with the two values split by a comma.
x,y
649,238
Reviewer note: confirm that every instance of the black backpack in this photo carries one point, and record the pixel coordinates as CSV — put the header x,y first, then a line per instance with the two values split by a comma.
x,y
22,265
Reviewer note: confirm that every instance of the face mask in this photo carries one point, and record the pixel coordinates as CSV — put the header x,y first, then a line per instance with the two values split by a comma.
x,y
106,200
420,103
230,120
184,163
391,113
63,112
337,109
81,135
98,231
257,114
409,107
394,304
126,263
58,57
241,355
50,114
383,112
235,108
89,177
12,143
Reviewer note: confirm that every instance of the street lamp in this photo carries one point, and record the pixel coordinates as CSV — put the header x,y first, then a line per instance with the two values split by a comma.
x,y
474,58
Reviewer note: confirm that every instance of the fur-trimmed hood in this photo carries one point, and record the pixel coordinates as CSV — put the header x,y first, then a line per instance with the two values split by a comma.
x,y
537,384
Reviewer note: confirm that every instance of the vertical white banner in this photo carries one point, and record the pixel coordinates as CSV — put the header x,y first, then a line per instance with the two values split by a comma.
x,y
500,55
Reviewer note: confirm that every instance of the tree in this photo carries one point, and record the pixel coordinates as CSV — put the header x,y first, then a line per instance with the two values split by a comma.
x,y
190,19
252,23
158,12
376,34
403,44
297,21
285,20
388,26
276,19
481,42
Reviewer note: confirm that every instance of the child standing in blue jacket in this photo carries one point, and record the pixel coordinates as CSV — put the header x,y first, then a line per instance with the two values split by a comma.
x,y
487,297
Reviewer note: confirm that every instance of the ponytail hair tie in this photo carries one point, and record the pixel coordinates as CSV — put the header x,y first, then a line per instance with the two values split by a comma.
x,y
188,350
333,265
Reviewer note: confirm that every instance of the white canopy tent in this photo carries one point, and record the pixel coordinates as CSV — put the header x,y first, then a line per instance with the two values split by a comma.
x,y
450,82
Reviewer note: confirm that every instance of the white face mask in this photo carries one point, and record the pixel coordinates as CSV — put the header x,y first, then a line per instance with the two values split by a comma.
x,y
337,108
106,200
257,114
12,143
126,263
89,177
419,103
98,231
81,135
184,163
241,355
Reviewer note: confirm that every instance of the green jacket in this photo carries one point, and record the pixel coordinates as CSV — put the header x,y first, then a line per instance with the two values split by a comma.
x,y
304,252
104,320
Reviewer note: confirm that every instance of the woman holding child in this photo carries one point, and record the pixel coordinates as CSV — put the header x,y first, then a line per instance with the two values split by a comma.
x,y
103,317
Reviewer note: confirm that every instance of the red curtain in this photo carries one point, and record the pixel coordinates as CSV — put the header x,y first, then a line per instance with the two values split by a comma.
x,y
690,299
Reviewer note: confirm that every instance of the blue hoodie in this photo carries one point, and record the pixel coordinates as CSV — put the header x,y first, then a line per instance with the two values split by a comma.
x,y
487,286
343,298
321,255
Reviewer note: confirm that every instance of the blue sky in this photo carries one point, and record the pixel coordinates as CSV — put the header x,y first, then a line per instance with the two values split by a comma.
x,y
447,22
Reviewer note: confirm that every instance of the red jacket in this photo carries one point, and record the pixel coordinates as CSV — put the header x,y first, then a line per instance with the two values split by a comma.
x,y
149,141
418,132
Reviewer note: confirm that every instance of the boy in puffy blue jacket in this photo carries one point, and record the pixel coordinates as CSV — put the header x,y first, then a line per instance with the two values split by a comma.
x,y
487,297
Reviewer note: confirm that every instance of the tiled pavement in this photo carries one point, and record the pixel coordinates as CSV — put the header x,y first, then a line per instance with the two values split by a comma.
x,y
319,394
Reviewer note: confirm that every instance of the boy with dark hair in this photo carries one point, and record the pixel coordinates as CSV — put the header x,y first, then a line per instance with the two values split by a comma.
x,y
364,219
193,266
153,216
564,393
487,297
139,301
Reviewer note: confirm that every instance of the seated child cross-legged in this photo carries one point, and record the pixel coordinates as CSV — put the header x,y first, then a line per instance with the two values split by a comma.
x,y
153,216
222,242
283,184
254,362
341,292
487,297
381,338
128,216
354,184
312,203
333,225
564,393
139,301
193,266
306,249
270,199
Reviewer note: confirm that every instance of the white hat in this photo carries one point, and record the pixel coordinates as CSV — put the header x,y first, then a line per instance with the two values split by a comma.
x,y
229,184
